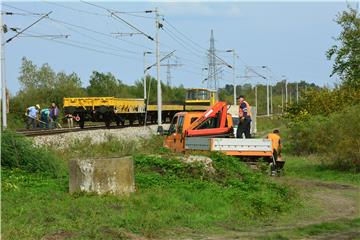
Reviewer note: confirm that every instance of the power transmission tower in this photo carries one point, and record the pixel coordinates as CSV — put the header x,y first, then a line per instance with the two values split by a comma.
x,y
168,70
212,71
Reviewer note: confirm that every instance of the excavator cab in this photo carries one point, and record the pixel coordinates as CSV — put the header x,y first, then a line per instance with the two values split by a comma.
x,y
200,96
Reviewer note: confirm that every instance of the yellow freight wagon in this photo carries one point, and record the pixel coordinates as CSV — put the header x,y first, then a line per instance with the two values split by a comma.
x,y
119,110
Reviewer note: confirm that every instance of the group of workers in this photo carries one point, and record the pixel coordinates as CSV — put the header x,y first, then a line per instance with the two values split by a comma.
x,y
43,118
244,129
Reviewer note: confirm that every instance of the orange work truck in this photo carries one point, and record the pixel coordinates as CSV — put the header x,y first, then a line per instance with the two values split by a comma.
x,y
212,130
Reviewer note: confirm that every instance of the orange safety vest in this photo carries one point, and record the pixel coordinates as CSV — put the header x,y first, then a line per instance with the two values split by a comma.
x,y
276,141
241,113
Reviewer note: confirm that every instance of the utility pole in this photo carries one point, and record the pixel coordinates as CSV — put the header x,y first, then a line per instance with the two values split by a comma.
x,y
271,100
267,98
159,97
234,72
297,92
290,97
282,99
3,79
268,91
286,93
3,76
256,98
234,75
145,73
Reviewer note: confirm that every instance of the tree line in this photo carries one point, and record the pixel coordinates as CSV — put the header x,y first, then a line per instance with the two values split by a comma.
x,y
42,85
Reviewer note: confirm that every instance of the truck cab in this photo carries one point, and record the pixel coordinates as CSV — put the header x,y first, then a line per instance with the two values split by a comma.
x,y
212,130
175,135
182,126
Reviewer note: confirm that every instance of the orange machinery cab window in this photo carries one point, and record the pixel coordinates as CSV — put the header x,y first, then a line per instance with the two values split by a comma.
x,y
175,140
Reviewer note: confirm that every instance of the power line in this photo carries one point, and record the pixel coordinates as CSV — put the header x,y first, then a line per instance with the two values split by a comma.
x,y
18,14
114,47
89,49
23,10
182,44
10,39
223,61
133,14
120,19
75,9
189,39
97,32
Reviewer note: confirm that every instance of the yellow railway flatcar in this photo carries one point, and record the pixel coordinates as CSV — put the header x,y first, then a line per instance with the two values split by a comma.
x,y
119,110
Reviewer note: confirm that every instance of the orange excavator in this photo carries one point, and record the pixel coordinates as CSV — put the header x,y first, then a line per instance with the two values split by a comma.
x,y
212,130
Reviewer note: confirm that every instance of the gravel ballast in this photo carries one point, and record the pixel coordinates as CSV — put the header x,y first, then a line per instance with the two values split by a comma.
x,y
64,140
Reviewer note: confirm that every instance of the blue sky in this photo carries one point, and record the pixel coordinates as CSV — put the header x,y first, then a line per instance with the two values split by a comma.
x,y
291,38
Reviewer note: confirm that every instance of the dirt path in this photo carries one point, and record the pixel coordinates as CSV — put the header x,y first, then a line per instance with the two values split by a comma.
x,y
324,202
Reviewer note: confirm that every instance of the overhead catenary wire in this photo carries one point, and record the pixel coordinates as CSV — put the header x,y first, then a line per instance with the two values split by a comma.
x,y
23,10
182,44
106,44
80,27
75,9
114,15
23,30
89,49
19,14
215,55
97,32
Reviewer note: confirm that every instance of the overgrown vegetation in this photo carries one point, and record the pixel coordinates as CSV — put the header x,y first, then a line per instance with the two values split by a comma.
x,y
170,195
327,122
18,152
336,137
311,168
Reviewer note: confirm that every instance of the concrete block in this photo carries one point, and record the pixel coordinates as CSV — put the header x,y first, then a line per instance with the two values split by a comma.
x,y
102,175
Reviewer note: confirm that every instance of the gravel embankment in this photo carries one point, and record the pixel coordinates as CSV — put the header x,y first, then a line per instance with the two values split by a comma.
x,y
64,140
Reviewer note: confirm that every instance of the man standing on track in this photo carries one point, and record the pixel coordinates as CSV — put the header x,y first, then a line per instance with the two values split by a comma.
x,y
54,115
32,115
244,117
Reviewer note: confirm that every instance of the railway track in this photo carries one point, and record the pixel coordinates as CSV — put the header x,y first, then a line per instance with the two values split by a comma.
x,y
44,132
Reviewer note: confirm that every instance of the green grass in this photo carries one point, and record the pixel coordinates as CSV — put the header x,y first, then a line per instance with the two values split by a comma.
x,y
310,167
265,125
337,228
171,197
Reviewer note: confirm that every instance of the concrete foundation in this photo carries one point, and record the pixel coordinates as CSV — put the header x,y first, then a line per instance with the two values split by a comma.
x,y
102,176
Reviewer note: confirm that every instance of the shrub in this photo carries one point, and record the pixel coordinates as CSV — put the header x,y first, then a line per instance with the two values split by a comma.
x,y
18,152
336,137
322,102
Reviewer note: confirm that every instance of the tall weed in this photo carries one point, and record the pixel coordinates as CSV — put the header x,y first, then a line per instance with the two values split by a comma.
x,y
336,137
18,152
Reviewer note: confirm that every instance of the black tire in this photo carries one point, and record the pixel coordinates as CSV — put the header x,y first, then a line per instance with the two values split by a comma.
x,y
108,123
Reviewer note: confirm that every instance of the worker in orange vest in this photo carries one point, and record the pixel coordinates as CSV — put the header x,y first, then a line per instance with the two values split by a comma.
x,y
244,118
278,163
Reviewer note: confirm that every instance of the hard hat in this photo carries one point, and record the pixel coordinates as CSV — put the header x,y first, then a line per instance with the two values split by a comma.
x,y
37,106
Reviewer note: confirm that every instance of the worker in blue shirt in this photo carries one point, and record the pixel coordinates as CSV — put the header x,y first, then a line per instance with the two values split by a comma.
x,y
244,117
32,116
45,117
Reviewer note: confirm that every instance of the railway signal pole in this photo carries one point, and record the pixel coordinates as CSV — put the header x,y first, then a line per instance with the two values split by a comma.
x,y
286,93
3,80
234,73
145,73
297,92
159,95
